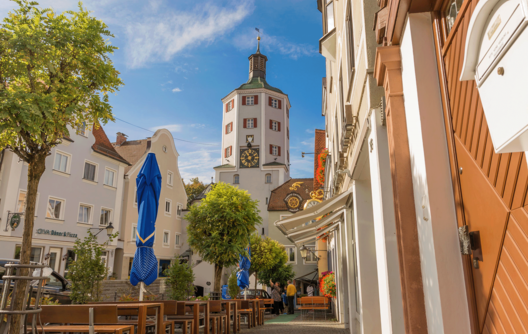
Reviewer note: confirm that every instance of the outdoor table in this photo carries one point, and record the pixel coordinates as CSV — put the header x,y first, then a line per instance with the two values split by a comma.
x,y
230,308
195,305
142,315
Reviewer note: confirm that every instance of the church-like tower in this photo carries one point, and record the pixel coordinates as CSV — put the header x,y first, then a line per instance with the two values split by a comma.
x,y
255,136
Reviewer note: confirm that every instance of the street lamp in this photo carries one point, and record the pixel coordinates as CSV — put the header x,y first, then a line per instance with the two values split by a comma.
x,y
109,229
304,252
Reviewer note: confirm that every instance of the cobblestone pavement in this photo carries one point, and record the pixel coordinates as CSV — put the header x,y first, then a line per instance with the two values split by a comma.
x,y
296,326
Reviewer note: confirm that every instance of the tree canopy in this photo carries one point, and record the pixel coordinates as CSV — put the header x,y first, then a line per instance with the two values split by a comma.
x,y
180,279
219,229
266,254
194,188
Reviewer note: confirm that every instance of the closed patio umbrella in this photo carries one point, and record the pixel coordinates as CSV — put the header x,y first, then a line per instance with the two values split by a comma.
x,y
243,274
148,182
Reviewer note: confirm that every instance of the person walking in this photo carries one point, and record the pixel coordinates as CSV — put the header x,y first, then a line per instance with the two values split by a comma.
x,y
276,295
290,293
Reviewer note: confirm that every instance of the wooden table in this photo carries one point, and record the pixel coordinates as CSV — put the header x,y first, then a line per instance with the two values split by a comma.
x,y
229,304
195,305
142,315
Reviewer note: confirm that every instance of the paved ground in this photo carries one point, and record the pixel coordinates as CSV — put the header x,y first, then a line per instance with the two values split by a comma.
x,y
285,324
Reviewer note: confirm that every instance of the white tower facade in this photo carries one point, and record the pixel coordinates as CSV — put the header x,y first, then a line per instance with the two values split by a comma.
x,y
255,137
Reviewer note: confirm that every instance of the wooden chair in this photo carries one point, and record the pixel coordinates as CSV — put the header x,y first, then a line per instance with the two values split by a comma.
x,y
313,304
215,308
261,311
76,318
244,309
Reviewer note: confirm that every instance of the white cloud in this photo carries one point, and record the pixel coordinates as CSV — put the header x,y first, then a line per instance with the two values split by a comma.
x,y
309,142
199,163
175,90
155,38
310,131
278,44
170,127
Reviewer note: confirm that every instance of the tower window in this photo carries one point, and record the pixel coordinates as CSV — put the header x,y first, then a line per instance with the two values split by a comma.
x,y
228,151
274,103
268,178
275,150
250,123
250,100
275,125
229,128
230,105
236,179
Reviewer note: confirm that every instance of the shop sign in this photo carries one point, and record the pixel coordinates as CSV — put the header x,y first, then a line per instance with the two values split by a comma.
x,y
293,202
15,221
56,233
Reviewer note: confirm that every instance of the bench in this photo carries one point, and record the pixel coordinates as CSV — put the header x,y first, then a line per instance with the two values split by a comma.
x,y
76,318
313,304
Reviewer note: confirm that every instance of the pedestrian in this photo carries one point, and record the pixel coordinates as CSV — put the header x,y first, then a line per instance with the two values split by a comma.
x,y
290,293
284,301
276,295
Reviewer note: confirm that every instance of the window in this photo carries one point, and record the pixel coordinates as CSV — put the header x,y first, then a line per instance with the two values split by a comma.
x,y
250,123
229,128
179,210
177,239
236,179
275,125
288,133
451,13
85,213
82,129
90,170
135,197
250,100
291,251
70,257
288,155
21,205
168,207
275,150
228,151
35,256
350,35
109,177
311,257
105,217
268,178
329,13
170,176
274,103
230,105
104,257
134,232
61,162
166,238
55,207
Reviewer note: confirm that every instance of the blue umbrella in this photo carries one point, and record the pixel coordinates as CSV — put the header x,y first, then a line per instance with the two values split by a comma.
x,y
243,273
145,265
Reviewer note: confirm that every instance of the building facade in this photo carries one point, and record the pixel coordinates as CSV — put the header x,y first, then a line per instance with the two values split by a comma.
x,y
173,200
255,137
81,190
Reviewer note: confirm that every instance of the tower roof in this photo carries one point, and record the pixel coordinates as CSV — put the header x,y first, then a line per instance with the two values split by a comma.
x,y
258,82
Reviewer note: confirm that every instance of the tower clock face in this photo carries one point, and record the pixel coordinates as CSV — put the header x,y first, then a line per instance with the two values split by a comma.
x,y
249,158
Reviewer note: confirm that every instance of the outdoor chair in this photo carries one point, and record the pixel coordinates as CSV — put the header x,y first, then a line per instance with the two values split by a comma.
x,y
216,312
245,310
313,304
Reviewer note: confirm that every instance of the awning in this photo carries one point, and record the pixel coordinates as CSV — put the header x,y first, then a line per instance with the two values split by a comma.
x,y
303,277
306,216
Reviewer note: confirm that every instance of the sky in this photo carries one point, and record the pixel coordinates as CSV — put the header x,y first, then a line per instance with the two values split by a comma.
x,y
179,58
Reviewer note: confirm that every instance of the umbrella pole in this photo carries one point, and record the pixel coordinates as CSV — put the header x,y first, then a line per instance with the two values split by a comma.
x,y
245,294
141,289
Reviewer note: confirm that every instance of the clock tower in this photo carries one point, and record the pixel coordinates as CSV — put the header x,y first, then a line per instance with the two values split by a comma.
x,y
256,136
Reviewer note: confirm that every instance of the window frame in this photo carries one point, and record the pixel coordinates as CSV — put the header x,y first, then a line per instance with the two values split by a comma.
x,y
166,233
114,179
252,97
294,254
326,4
96,172
248,120
110,216
90,217
179,210
230,150
351,51
81,129
68,163
25,201
168,213
266,178
274,103
311,255
177,240
62,209
132,233
171,178
274,150
236,179
275,125
32,247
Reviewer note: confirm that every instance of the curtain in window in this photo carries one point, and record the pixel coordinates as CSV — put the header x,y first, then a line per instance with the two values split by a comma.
x,y
89,172
105,217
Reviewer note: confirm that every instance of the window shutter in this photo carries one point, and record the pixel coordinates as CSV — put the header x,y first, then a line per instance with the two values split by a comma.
x,y
232,103
227,127
254,122
270,99
279,151
245,123
280,104
225,152
226,106
231,126
243,100
271,149
271,124
278,126
255,99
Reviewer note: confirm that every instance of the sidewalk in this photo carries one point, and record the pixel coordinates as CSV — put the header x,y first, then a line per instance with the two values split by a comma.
x,y
293,325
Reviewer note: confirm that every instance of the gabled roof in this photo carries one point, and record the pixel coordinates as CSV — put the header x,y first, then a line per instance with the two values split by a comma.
x,y
274,163
224,166
132,150
303,188
103,146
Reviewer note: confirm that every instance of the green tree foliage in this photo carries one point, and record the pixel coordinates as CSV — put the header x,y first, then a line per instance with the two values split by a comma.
x,y
180,279
232,287
280,273
88,270
55,75
194,189
266,254
220,227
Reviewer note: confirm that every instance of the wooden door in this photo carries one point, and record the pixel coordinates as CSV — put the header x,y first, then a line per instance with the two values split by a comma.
x,y
490,191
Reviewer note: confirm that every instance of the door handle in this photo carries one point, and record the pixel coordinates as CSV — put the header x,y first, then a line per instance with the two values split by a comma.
x,y
476,248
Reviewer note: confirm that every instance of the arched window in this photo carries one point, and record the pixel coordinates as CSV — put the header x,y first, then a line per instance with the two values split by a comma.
x,y
236,179
268,178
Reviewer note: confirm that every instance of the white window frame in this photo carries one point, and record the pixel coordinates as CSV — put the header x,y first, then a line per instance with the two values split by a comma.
x,y
166,233
109,218
68,164
63,206
250,98
132,233
310,254
250,123
171,178
168,213
177,240
275,150
266,178
96,173
230,105
275,103
90,218
275,125
82,132
236,179
179,210
294,252
230,151
114,181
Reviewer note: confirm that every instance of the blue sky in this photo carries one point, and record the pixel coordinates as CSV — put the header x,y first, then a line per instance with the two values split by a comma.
x,y
178,58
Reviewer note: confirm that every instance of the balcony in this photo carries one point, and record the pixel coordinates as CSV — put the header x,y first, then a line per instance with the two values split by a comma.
x,y
327,45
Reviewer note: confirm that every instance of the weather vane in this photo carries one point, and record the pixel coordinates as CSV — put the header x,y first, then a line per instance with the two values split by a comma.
x,y
258,39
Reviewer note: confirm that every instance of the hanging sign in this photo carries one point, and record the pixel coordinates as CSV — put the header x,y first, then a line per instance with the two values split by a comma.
x,y
14,222
293,202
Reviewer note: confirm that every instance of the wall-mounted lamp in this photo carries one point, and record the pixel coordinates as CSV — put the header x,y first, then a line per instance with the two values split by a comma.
x,y
303,153
65,257
341,171
304,252
109,229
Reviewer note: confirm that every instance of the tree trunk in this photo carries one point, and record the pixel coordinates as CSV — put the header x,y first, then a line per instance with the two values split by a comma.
x,y
35,170
218,278
256,279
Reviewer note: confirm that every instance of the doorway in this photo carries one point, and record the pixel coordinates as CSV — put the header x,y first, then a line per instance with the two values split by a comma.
x,y
55,258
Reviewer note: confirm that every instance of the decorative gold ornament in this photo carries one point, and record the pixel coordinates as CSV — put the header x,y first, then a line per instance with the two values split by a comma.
x,y
317,194
293,202
295,186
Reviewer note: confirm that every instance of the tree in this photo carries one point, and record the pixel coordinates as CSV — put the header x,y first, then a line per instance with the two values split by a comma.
x,y
266,254
180,279
232,285
280,273
220,227
88,270
55,75
194,189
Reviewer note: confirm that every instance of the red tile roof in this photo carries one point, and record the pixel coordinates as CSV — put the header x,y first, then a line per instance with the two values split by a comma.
x,y
133,150
103,146
276,201
320,143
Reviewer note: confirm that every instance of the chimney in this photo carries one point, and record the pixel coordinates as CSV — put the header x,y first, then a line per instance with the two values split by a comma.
x,y
121,138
